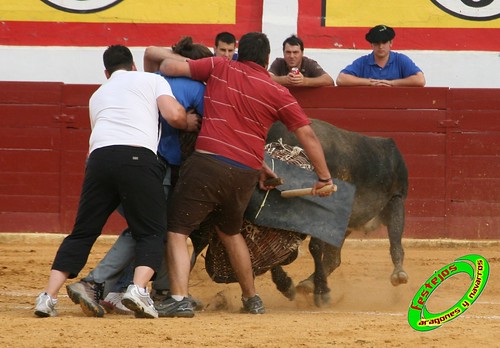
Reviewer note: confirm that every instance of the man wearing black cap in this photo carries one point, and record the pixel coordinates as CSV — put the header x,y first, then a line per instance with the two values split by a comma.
x,y
382,67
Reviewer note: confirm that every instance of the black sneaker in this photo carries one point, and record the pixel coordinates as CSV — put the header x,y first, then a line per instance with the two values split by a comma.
x,y
88,295
171,308
159,296
253,305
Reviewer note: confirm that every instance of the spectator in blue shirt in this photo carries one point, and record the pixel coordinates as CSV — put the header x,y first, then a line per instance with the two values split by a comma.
x,y
382,67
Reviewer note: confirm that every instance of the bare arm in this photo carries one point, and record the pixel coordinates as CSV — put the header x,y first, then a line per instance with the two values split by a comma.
x,y
282,80
314,151
350,80
300,80
417,80
323,80
172,111
175,67
153,56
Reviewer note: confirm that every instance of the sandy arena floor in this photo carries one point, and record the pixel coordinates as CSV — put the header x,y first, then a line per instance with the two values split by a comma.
x,y
366,310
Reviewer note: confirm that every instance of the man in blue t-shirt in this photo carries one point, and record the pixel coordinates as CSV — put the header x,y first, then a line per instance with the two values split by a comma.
x,y
382,67
189,94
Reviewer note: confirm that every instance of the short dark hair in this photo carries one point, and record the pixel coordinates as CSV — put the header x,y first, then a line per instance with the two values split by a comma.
x,y
186,48
117,57
225,37
294,41
254,46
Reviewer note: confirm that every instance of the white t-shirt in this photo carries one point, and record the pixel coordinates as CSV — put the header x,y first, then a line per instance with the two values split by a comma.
x,y
124,111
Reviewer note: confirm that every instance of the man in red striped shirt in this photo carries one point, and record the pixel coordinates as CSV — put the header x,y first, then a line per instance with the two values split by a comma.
x,y
241,103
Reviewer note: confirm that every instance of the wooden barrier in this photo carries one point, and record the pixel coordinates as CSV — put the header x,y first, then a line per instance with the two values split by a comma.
x,y
450,139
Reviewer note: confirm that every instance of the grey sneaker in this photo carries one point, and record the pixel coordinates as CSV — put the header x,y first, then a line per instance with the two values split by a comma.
x,y
88,296
45,306
253,305
171,308
112,303
142,305
159,296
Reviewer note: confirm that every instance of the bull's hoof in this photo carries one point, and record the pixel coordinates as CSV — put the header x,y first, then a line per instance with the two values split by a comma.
x,y
321,300
398,278
290,293
305,287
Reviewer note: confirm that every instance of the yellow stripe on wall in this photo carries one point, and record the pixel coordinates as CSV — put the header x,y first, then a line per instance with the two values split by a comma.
x,y
399,13
127,11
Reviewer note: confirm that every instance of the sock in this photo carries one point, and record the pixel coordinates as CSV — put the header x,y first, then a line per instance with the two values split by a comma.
x,y
53,300
246,299
177,297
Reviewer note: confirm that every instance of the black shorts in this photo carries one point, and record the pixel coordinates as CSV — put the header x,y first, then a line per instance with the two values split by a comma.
x,y
206,186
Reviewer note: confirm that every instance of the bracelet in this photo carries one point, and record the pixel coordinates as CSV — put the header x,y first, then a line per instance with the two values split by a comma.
x,y
324,180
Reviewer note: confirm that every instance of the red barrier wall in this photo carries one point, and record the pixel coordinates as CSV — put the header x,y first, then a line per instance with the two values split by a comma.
x,y
450,139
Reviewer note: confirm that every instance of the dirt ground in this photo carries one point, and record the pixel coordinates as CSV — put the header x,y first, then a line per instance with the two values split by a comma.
x,y
366,310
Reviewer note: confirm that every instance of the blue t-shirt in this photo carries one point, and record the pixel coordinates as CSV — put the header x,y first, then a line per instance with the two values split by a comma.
x,y
399,66
189,94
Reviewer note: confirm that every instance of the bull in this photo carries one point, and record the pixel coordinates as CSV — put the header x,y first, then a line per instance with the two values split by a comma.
x,y
377,169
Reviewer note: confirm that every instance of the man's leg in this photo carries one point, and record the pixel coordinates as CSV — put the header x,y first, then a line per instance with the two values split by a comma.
x,y
239,257
45,304
116,260
145,209
178,265
97,201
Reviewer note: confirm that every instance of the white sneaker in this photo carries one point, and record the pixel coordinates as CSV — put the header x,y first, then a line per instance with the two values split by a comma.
x,y
45,306
112,303
142,305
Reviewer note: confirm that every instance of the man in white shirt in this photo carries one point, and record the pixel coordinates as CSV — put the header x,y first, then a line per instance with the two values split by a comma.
x,y
122,167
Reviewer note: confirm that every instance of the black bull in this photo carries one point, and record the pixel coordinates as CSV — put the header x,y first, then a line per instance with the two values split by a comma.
x,y
377,169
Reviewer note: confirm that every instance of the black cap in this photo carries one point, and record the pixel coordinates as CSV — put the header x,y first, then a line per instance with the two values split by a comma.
x,y
380,33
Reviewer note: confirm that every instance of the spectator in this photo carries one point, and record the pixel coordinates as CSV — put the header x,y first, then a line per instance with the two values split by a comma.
x,y
382,67
241,103
122,167
225,46
308,72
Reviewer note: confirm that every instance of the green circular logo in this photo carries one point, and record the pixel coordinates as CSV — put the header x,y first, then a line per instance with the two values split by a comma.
x,y
475,266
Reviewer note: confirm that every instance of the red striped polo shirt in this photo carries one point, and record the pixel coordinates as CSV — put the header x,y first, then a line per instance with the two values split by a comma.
x,y
241,104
